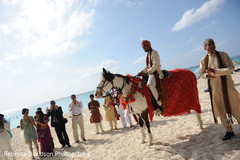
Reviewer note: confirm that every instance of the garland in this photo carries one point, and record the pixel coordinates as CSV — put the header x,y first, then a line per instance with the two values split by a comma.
x,y
134,88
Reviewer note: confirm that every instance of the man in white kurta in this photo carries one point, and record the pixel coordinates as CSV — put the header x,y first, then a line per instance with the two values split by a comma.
x,y
125,115
152,65
209,69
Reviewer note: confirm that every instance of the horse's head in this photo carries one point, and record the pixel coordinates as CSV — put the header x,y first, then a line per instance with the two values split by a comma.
x,y
105,83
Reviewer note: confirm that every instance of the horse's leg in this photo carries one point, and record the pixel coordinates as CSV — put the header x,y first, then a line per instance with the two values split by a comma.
x,y
141,124
145,118
199,120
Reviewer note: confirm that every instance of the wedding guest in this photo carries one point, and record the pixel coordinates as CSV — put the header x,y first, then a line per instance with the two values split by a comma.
x,y
5,137
44,135
127,116
111,114
216,67
39,109
96,117
120,111
58,122
76,108
27,124
124,115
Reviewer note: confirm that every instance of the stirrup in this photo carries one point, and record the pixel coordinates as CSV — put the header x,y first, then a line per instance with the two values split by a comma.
x,y
157,111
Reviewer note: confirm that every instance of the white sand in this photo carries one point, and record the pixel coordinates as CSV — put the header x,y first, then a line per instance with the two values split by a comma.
x,y
177,138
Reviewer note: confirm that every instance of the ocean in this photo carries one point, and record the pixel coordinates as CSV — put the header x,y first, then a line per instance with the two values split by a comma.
x,y
15,115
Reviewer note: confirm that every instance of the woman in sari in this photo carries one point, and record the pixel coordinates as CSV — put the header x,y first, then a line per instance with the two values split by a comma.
x,y
44,134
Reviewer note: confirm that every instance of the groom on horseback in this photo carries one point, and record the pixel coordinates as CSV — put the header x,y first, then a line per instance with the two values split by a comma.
x,y
154,73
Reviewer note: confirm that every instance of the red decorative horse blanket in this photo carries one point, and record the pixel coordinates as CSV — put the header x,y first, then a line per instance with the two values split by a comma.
x,y
180,93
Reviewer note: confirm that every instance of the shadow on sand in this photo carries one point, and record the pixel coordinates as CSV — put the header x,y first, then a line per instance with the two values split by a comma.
x,y
205,145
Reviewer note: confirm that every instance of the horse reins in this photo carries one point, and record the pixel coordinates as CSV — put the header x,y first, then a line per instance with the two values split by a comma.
x,y
105,83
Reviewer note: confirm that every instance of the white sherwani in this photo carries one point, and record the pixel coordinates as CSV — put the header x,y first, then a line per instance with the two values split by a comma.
x,y
156,66
234,96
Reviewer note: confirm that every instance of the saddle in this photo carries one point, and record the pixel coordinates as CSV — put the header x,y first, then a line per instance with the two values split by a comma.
x,y
165,73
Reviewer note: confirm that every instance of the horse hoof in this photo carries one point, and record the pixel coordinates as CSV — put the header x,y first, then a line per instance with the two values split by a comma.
x,y
143,142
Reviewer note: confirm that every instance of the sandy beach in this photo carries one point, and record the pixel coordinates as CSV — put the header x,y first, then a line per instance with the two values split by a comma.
x,y
175,138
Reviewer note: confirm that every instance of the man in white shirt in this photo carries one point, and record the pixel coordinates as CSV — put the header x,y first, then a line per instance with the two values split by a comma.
x,y
120,111
76,108
125,115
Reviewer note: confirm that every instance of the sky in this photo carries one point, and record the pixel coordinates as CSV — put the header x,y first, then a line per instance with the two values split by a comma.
x,y
51,49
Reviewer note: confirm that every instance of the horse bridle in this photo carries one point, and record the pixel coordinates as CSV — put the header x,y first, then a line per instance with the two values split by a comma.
x,y
105,83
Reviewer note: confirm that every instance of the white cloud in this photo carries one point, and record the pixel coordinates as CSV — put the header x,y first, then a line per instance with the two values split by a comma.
x,y
139,60
96,2
47,28
11,57
86,77
5,29
11,68
47,63
131,3
87,72
209,25
196,50
10,2
190,40
194,15
35,36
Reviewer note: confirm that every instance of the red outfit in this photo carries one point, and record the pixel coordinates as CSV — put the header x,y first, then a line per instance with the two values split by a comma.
x,y
96,117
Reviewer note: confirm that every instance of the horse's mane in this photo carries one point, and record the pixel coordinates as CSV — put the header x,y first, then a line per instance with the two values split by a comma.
x,y
124,77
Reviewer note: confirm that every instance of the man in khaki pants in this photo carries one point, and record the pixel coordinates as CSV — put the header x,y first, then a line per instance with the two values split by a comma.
x,y
76,108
